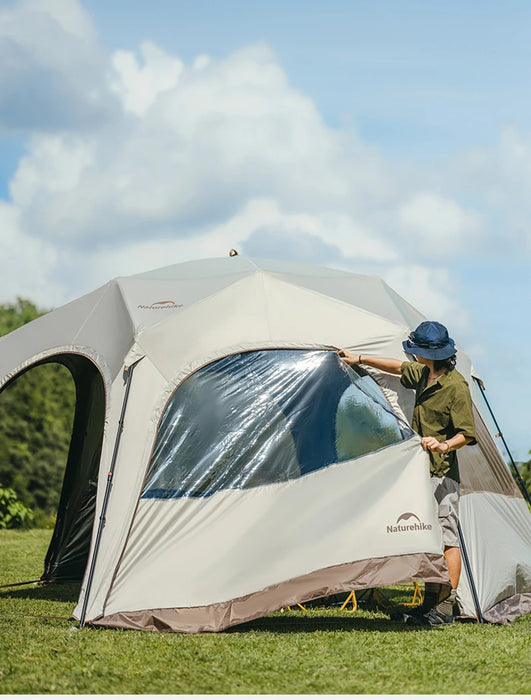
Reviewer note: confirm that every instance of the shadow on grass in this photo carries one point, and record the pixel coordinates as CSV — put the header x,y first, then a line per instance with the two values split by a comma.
x,y
321,623
276,623
59,592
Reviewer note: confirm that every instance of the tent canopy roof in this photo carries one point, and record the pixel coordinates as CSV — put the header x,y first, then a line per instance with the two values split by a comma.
x,y
151,296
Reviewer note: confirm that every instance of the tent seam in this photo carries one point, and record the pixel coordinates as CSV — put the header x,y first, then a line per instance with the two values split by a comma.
x,y
93,309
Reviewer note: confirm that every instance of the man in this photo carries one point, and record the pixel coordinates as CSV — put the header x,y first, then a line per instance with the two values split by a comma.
x,y
444,420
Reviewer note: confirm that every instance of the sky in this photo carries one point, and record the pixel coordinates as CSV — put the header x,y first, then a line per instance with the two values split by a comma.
x,y
386,138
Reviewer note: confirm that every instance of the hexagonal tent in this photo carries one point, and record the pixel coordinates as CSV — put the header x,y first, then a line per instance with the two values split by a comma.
x,y
224,463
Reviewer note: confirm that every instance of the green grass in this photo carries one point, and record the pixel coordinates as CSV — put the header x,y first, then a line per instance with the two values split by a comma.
x,y
315,652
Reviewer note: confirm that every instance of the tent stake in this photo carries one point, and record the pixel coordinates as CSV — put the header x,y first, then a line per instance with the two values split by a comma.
x,y
101,524
468,568
521,483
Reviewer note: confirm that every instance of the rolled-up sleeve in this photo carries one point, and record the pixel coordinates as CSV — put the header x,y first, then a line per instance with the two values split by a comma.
x,y
411,373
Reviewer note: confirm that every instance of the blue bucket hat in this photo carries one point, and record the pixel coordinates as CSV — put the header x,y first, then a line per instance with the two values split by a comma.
x,y
431,341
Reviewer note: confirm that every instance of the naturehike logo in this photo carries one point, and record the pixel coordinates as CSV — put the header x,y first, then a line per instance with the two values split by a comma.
x,y
410,522
157,305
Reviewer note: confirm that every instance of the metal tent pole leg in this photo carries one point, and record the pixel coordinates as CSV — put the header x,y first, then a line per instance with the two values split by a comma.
x,y
468,568
101,524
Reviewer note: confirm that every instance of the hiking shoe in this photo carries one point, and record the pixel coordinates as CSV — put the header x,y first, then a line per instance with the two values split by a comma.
x,y
433,618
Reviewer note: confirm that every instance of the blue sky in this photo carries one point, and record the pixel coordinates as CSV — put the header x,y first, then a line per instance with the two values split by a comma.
x,y
411,75
388,138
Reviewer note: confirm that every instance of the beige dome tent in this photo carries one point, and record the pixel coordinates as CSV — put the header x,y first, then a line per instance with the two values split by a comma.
x,y
224,463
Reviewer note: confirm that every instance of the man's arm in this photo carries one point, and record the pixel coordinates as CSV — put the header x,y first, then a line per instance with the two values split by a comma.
x,y
450,445
385,364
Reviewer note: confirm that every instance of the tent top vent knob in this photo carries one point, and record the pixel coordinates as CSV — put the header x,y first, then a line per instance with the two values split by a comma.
x,y
233,252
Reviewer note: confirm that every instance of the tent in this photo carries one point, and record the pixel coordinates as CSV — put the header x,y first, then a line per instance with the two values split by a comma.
x,y
224,463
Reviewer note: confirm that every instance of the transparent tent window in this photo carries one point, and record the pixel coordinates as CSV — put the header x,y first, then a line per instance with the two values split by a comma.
x,y
265,417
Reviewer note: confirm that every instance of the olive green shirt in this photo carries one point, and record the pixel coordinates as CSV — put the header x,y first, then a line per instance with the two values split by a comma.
x,y
442,409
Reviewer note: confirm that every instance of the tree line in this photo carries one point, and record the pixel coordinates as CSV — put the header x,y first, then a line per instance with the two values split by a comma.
x,y
36,415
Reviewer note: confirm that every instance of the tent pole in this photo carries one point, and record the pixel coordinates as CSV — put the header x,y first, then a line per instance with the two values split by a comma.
x,y
129,375
468,568
521,483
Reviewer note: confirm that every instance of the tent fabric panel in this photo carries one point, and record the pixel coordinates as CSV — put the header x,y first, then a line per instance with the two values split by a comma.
x,y
53,331
204,268
253,314
108,328
482,467
234,316
365,291
497,533
234,543
368,573
509,609
409,313
313,316
96,325
224,267
138,432
150,300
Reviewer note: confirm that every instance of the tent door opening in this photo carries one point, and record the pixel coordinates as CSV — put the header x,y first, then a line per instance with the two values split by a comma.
x,y
68,551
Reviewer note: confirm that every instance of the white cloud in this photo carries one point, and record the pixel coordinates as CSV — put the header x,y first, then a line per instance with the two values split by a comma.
x,y
69,14
432,291
138,86
191,146
435,221
52,68
190,149
500,178
28,265
62,158
200,158
196,159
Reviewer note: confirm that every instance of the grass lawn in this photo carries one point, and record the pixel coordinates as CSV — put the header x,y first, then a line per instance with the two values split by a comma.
x,y
319,651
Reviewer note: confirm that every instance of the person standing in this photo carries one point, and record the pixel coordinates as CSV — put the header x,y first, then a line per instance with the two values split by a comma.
x,y
443,418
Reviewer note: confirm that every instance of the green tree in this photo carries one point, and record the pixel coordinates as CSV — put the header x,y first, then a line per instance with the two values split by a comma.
x,y
12,316
36,414
13,513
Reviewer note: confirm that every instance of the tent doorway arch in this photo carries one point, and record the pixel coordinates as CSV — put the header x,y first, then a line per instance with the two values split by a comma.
x,y
68,551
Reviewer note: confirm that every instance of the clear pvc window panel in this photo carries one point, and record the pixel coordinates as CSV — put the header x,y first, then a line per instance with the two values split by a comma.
x,y
265,417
